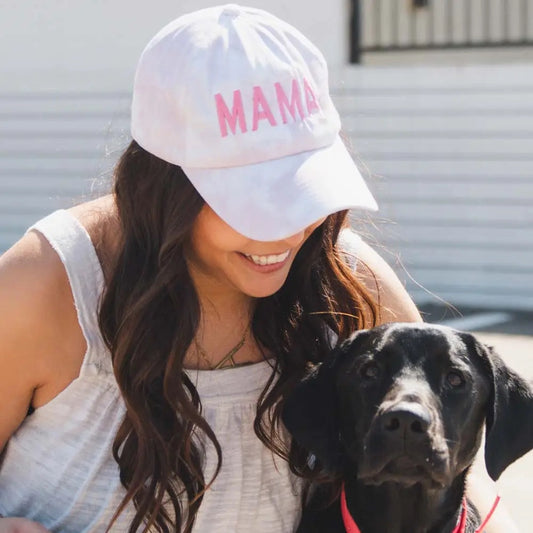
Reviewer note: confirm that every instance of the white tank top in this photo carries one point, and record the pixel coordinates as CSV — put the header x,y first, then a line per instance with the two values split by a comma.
x,y
58,468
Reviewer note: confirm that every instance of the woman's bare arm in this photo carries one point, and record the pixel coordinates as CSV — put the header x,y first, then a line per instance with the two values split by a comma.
x,y
395,305
29,286
23,332
20,525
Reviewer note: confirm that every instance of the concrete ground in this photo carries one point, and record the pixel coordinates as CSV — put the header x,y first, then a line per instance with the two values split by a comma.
x,y
513,340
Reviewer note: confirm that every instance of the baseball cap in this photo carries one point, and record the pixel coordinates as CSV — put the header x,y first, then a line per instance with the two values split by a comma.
x,y
240,100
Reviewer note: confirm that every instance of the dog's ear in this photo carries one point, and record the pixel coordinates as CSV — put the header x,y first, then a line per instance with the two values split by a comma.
x,y
310,414
509,417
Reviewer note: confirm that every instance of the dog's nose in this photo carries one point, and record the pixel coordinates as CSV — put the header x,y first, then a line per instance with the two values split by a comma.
x,y
406,420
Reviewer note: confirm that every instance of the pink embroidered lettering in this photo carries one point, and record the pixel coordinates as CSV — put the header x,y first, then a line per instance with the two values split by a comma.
x,y
310,98
226,118
292,103
261,109
283,102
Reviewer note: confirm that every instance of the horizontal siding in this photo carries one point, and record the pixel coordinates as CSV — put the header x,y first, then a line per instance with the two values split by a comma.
x,y
468,298
407,124
518,149
427,234
478,169
449,155
56,149
504,102
449,212
458,188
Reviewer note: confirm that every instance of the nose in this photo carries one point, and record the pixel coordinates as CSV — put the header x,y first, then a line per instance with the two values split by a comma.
x,y
406,421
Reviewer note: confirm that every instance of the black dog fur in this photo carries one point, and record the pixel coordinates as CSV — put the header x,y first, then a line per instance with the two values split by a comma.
x,y
398,413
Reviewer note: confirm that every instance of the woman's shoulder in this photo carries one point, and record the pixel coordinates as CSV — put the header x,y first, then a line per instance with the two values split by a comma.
x,y
349,243
99,217
96,213
377,276
395,304
39,330
32,269
30,273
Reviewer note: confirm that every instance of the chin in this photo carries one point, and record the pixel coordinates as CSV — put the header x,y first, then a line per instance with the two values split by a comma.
x,y
263,292
263,288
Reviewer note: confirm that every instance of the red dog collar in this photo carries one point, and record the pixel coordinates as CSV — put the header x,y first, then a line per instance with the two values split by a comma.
x,y
460,528
351,527
349,523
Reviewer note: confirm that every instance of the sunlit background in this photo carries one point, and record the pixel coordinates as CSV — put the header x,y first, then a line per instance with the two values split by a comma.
x,y
436,98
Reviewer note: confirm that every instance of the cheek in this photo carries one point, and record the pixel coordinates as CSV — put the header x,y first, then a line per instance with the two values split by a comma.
x,y
216,243
463,427
211,256
212,239
355,415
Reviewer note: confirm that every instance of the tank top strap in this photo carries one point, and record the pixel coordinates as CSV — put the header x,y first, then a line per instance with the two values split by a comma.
x,y
73,245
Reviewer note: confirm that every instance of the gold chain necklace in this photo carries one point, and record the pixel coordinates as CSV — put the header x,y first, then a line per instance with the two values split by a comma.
x,y
226,358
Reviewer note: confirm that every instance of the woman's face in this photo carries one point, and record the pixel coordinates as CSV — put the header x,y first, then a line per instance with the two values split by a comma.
x,y
223,259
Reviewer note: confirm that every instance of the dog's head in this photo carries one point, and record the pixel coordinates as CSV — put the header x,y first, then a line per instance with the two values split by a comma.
x,y
407,403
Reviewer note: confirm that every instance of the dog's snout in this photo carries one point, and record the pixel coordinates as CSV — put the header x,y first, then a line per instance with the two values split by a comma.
x,y
406,420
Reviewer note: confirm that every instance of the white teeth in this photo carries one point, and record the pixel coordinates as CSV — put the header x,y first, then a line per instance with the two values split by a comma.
x,y
268,259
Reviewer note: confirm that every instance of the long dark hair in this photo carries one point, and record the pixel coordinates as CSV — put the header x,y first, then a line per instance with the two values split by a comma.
x,y
148,318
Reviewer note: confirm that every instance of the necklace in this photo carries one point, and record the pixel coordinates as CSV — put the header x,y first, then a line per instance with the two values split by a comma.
x,y
226,358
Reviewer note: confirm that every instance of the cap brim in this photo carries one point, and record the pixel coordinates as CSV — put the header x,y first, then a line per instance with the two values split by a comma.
x,y
275,199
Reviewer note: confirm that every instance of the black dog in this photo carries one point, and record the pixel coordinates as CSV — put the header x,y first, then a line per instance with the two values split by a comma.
x,y
397,412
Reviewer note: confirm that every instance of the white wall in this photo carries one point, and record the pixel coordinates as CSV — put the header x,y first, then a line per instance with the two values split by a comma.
x,y
95,44
66,72
448,151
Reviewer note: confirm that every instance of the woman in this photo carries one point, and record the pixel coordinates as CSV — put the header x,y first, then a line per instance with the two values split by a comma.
x,y
148,337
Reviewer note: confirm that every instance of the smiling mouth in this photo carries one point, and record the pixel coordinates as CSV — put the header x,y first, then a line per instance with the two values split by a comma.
x,y
263,260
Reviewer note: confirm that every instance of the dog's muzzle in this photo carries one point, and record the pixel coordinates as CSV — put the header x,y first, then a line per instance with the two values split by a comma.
x,y
403,445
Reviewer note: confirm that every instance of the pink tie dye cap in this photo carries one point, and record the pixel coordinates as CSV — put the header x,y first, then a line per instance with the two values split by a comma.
x,y
240,100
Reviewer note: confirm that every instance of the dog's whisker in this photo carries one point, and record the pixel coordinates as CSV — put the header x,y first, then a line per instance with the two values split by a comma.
x,y
451,441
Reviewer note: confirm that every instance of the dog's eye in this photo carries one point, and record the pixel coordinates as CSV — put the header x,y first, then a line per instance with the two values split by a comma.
x,y
369,370
455,379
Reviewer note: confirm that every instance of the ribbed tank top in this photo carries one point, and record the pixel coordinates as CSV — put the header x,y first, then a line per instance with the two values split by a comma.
x,y
58,469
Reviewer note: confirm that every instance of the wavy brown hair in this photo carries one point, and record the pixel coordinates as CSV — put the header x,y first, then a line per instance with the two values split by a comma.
x,y
149,316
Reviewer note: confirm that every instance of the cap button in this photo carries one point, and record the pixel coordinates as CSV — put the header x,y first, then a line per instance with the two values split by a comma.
x,y
232,10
